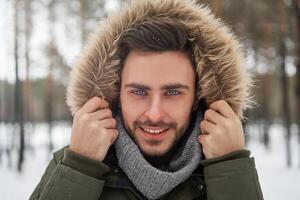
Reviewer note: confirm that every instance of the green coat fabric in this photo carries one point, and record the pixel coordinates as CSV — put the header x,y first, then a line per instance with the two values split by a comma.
x,y
232,176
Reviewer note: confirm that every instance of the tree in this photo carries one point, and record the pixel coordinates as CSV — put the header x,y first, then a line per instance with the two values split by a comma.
x,y
49,83
18,89
296,5
28,31
284,82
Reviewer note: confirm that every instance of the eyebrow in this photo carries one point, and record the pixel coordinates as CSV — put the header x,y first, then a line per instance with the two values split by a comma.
x,y
171,86
174,86
138,86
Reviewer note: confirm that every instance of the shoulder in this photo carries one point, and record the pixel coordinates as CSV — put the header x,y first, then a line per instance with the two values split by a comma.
x,y
59,154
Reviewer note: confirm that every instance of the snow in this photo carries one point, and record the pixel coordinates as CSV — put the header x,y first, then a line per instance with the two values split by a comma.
x,y
14,185
277,181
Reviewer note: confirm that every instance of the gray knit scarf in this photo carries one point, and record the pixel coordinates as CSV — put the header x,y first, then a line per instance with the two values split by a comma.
x,y
150,181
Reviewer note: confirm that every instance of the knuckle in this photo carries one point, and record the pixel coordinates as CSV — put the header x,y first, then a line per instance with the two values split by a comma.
x,y
103,131
96,99
202,138
218,131
207,113
107,112
93,125
84,117
114,122
208,138
227,123
105,102
202,124
113,134
116,133
91,101
221,102
103,135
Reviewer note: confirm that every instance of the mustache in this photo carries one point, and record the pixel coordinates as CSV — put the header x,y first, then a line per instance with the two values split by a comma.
x,y
153,124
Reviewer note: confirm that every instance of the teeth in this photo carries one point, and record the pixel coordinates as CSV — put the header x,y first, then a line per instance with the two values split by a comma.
x,y
154,131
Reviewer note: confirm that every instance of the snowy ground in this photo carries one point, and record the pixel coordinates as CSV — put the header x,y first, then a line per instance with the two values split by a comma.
x,y
19,186
276,180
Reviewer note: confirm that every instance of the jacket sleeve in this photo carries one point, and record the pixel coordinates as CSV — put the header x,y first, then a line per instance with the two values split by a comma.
x,y
232,176
65,178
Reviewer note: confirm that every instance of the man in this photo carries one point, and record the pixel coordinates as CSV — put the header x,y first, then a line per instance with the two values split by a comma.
x,y
157,97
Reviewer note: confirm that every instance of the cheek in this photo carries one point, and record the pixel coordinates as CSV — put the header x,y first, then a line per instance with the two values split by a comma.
x,y
179,110
131,109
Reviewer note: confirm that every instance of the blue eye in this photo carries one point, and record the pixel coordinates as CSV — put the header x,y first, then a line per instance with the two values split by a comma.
x,y
139,92
173,93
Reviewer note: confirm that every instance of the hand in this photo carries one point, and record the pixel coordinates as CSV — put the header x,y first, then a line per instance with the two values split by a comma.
x,y
93,130
221,130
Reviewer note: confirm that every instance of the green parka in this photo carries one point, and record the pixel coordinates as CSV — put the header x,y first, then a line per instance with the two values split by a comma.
x,y
71,176
221,75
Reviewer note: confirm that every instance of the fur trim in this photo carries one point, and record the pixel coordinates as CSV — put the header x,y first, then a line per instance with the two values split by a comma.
x,y
218,55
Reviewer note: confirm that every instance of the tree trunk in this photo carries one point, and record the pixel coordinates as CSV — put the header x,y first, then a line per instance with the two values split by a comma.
x,y
266,87
27,88
266,111
28,110
49,82
18,92
284,82
49,107
82,15
297,10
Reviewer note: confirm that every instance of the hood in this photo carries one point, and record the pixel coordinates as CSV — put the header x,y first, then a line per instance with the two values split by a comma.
x,y
218,55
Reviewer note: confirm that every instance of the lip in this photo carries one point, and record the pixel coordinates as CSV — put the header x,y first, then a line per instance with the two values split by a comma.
x,y
154,136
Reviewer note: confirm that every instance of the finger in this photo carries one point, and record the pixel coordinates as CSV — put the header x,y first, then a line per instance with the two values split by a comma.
x,y
201,139
101,114
114,134
94,104
222,107
207,127
108,123
213,116
206,142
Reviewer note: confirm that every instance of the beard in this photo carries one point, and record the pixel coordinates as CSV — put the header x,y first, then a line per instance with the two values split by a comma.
x,y
179,133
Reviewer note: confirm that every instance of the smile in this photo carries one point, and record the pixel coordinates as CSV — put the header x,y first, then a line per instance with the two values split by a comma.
x,y
153,131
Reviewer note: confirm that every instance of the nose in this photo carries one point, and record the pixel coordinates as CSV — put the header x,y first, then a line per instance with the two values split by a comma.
x,y
155,111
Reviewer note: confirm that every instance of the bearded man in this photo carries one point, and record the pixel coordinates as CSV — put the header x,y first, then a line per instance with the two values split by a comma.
x,y
157,95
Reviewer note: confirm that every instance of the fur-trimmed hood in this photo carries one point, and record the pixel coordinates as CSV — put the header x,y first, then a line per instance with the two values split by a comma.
x,y
218,55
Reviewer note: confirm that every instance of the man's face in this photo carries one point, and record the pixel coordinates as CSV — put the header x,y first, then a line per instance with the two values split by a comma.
x,y
157,96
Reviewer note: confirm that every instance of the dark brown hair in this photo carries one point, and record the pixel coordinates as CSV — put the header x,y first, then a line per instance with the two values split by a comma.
x,y
156,34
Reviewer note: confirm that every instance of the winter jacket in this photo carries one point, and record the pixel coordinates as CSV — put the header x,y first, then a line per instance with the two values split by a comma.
x,y
71,176
221,75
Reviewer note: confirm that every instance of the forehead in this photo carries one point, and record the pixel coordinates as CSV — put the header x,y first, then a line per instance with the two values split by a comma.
x,y
155,69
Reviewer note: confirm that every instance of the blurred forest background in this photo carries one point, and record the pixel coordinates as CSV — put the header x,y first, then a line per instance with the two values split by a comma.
x,y
39,41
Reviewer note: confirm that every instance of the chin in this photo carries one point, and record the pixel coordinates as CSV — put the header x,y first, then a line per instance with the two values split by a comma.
x,y
154,151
